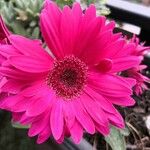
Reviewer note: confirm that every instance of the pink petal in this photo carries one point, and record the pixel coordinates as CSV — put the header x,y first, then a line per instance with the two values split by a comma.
x,y
122,101
9,103
26,120
91,32
19,75
29,47
16,117
67,30
61,139
20,105
124,63
3,30
116,119
34,89
100,100
118,86
90,13
95,111
83,117
113,48
109,26
69,114
30,64
56,119
44,135
76,132
39,104
39,124
49,23
3,81
12,86
104,130
8,50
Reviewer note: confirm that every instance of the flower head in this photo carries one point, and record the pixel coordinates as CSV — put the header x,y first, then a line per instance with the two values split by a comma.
x,y
4,33
139,50
74,89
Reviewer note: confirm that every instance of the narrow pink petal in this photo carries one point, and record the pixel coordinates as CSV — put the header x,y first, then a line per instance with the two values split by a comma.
x,y
39,124
21,105
30,64
10,103
113,48
76,132
124,63
16,117
104,130
90,13
3,29
113,116
39,104
127,50
13,86
26,120
67,30
34,89
83,117
18,74
95,111
50,23
116,119
56,119
122,101
109,26
29,47
2,59
118,86
44,135
61,139
100,100
8,50
91,31
3,81
69,114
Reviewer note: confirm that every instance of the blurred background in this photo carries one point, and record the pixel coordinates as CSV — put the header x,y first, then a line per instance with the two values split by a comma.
x,y
132,17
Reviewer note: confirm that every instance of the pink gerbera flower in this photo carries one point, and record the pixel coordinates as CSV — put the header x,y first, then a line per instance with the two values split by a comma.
x,y
135,72
4,33
73,89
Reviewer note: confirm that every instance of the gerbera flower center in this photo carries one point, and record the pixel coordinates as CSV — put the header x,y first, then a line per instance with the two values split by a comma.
x,y
68,77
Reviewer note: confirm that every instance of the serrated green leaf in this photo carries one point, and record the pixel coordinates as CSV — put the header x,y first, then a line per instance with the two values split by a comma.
x,y
115,139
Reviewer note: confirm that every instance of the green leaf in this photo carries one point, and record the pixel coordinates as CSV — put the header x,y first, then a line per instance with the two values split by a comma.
x,y
125,131
35,33
89,2
18,28
116,139
19,126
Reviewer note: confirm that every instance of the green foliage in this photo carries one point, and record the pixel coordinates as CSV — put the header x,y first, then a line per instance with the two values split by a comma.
x,y
18,126
61,3
116,138
100,6
12,138
22,16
